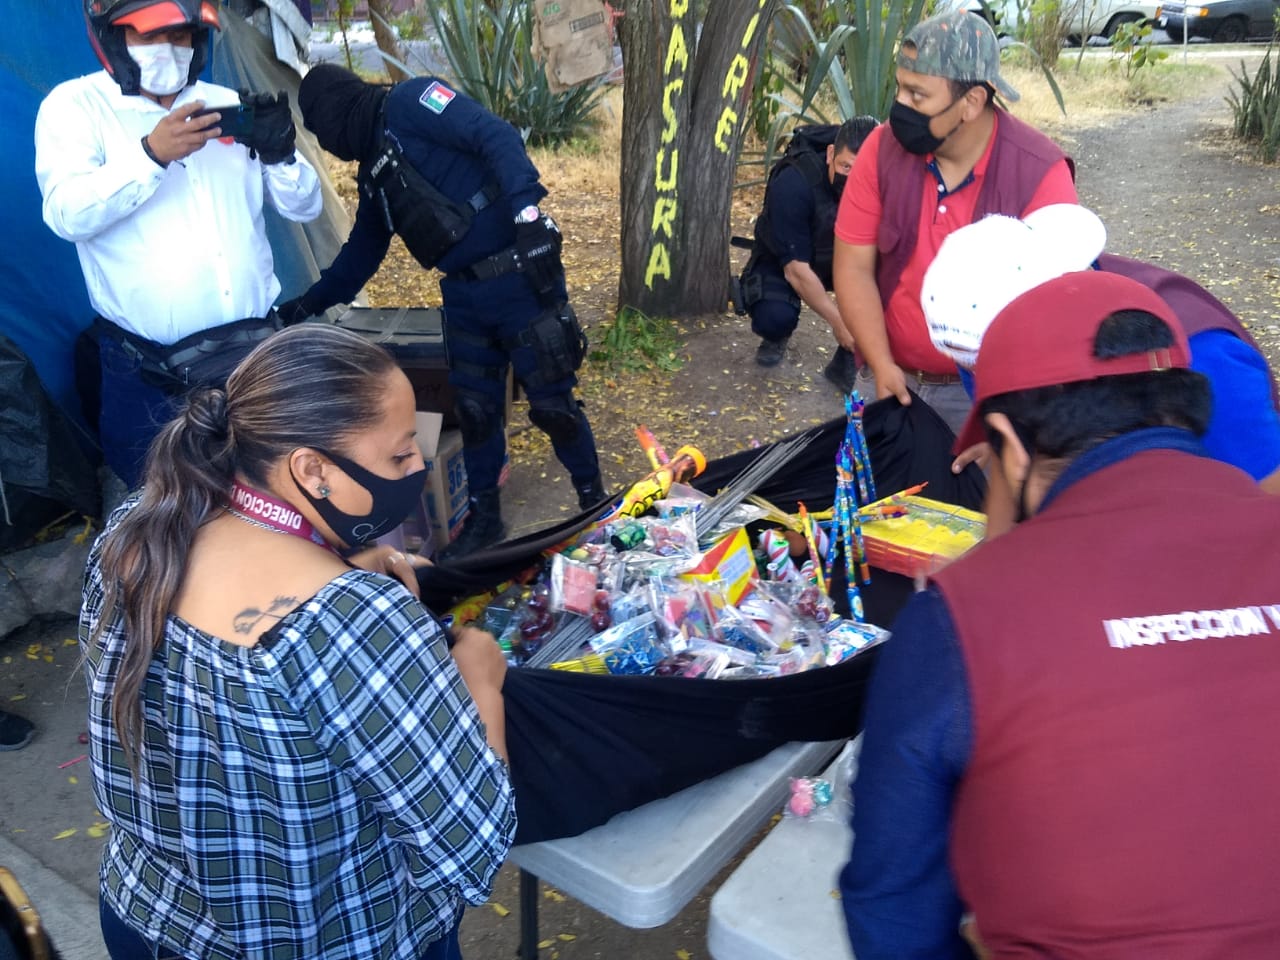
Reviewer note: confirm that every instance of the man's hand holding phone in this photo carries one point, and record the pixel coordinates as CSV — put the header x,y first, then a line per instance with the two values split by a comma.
x,y
181,133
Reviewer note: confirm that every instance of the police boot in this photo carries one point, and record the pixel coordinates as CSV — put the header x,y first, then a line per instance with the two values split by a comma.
x,y
591,492
482,528
771,352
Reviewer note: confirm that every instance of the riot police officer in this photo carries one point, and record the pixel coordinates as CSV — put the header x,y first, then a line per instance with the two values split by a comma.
x,y
454,181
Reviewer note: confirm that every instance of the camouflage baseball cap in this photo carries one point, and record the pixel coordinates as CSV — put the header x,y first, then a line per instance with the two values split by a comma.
x,y
958,46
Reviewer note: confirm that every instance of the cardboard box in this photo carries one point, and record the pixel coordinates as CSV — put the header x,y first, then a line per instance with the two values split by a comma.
x,y
445,499
730,560
573,40
446,492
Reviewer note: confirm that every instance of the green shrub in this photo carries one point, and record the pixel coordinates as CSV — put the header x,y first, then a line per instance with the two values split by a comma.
x,y
1043,29
635,341
410,25
1131,45
1255,106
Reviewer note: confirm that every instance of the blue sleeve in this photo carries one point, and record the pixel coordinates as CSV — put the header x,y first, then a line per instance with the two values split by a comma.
x,y
355,263
899,896
1244,430
790,205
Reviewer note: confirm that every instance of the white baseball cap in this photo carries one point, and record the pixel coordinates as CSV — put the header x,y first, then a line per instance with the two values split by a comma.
x,y
980,269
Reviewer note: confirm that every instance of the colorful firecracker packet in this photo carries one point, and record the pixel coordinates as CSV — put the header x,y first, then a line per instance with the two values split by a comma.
x,y
630,648
642,593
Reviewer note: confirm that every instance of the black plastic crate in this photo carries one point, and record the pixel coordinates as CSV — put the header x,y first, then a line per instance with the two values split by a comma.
x,y
415,336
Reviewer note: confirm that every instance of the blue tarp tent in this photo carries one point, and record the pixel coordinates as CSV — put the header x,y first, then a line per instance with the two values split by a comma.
x,y
43,305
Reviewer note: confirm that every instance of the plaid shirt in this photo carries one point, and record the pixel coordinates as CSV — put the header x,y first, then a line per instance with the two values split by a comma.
x,y
327,793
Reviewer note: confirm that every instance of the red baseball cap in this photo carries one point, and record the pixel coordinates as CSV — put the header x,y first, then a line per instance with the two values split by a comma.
x,y
1045,337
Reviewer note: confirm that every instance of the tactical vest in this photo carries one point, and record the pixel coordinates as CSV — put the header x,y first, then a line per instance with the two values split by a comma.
x,y
813,167
427,221
1020,158
1122,663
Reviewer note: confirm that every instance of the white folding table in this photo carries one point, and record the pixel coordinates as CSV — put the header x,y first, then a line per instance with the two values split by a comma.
x,y
782,902
644,865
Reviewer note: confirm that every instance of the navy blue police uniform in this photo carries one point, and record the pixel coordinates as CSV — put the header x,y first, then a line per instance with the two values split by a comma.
x,y
798,223
477,160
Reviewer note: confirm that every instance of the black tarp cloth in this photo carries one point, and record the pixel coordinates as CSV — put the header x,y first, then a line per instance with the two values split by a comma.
x,y
585,747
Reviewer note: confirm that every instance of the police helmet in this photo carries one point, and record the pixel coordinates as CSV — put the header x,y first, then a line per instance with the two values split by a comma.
x,y
106,20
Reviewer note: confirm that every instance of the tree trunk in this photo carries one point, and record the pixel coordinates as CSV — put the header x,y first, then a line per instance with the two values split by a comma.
x,y
685,105
381,14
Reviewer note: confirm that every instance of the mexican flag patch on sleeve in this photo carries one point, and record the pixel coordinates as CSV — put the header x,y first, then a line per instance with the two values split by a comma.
x,y
436,97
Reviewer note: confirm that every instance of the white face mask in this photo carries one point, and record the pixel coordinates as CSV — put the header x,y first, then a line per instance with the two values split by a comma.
x,y
164,67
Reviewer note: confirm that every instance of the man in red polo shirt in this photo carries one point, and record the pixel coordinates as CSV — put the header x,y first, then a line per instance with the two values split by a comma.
x,y
948,157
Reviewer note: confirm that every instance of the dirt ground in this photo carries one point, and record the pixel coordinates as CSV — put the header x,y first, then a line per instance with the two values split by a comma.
x,y
1168,182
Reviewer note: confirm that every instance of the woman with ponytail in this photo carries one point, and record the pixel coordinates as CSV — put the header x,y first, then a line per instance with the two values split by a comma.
x,y
293,762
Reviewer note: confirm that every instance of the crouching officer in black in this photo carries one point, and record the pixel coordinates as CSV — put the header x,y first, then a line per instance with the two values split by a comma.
x,y
455,183
794,243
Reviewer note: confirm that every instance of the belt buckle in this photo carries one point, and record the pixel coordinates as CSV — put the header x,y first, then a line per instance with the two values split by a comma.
x,y
935,379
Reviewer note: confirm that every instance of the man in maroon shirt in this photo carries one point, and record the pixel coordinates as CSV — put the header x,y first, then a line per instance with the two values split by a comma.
x,y
1069,734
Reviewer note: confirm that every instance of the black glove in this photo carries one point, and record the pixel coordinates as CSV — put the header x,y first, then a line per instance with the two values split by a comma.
x,y
271,139
538,244
296,310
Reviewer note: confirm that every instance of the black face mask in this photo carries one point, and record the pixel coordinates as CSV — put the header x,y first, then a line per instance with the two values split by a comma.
x,y
393,500
837,184
911,127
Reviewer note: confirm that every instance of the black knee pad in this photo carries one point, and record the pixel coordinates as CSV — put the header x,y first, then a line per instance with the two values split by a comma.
x,y
478,417
560,417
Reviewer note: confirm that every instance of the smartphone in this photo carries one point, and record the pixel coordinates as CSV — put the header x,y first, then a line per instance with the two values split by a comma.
x,y
237,119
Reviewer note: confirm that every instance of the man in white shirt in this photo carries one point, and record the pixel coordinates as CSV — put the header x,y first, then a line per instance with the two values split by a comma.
x,y
165,210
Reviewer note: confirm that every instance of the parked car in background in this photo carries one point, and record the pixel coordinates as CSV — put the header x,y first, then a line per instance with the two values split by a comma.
x,y
1003,15
1227,21
1081,19
1101,18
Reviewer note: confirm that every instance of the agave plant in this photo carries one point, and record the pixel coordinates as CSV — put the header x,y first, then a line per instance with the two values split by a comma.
x,y
488,47
851,66
1255,106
